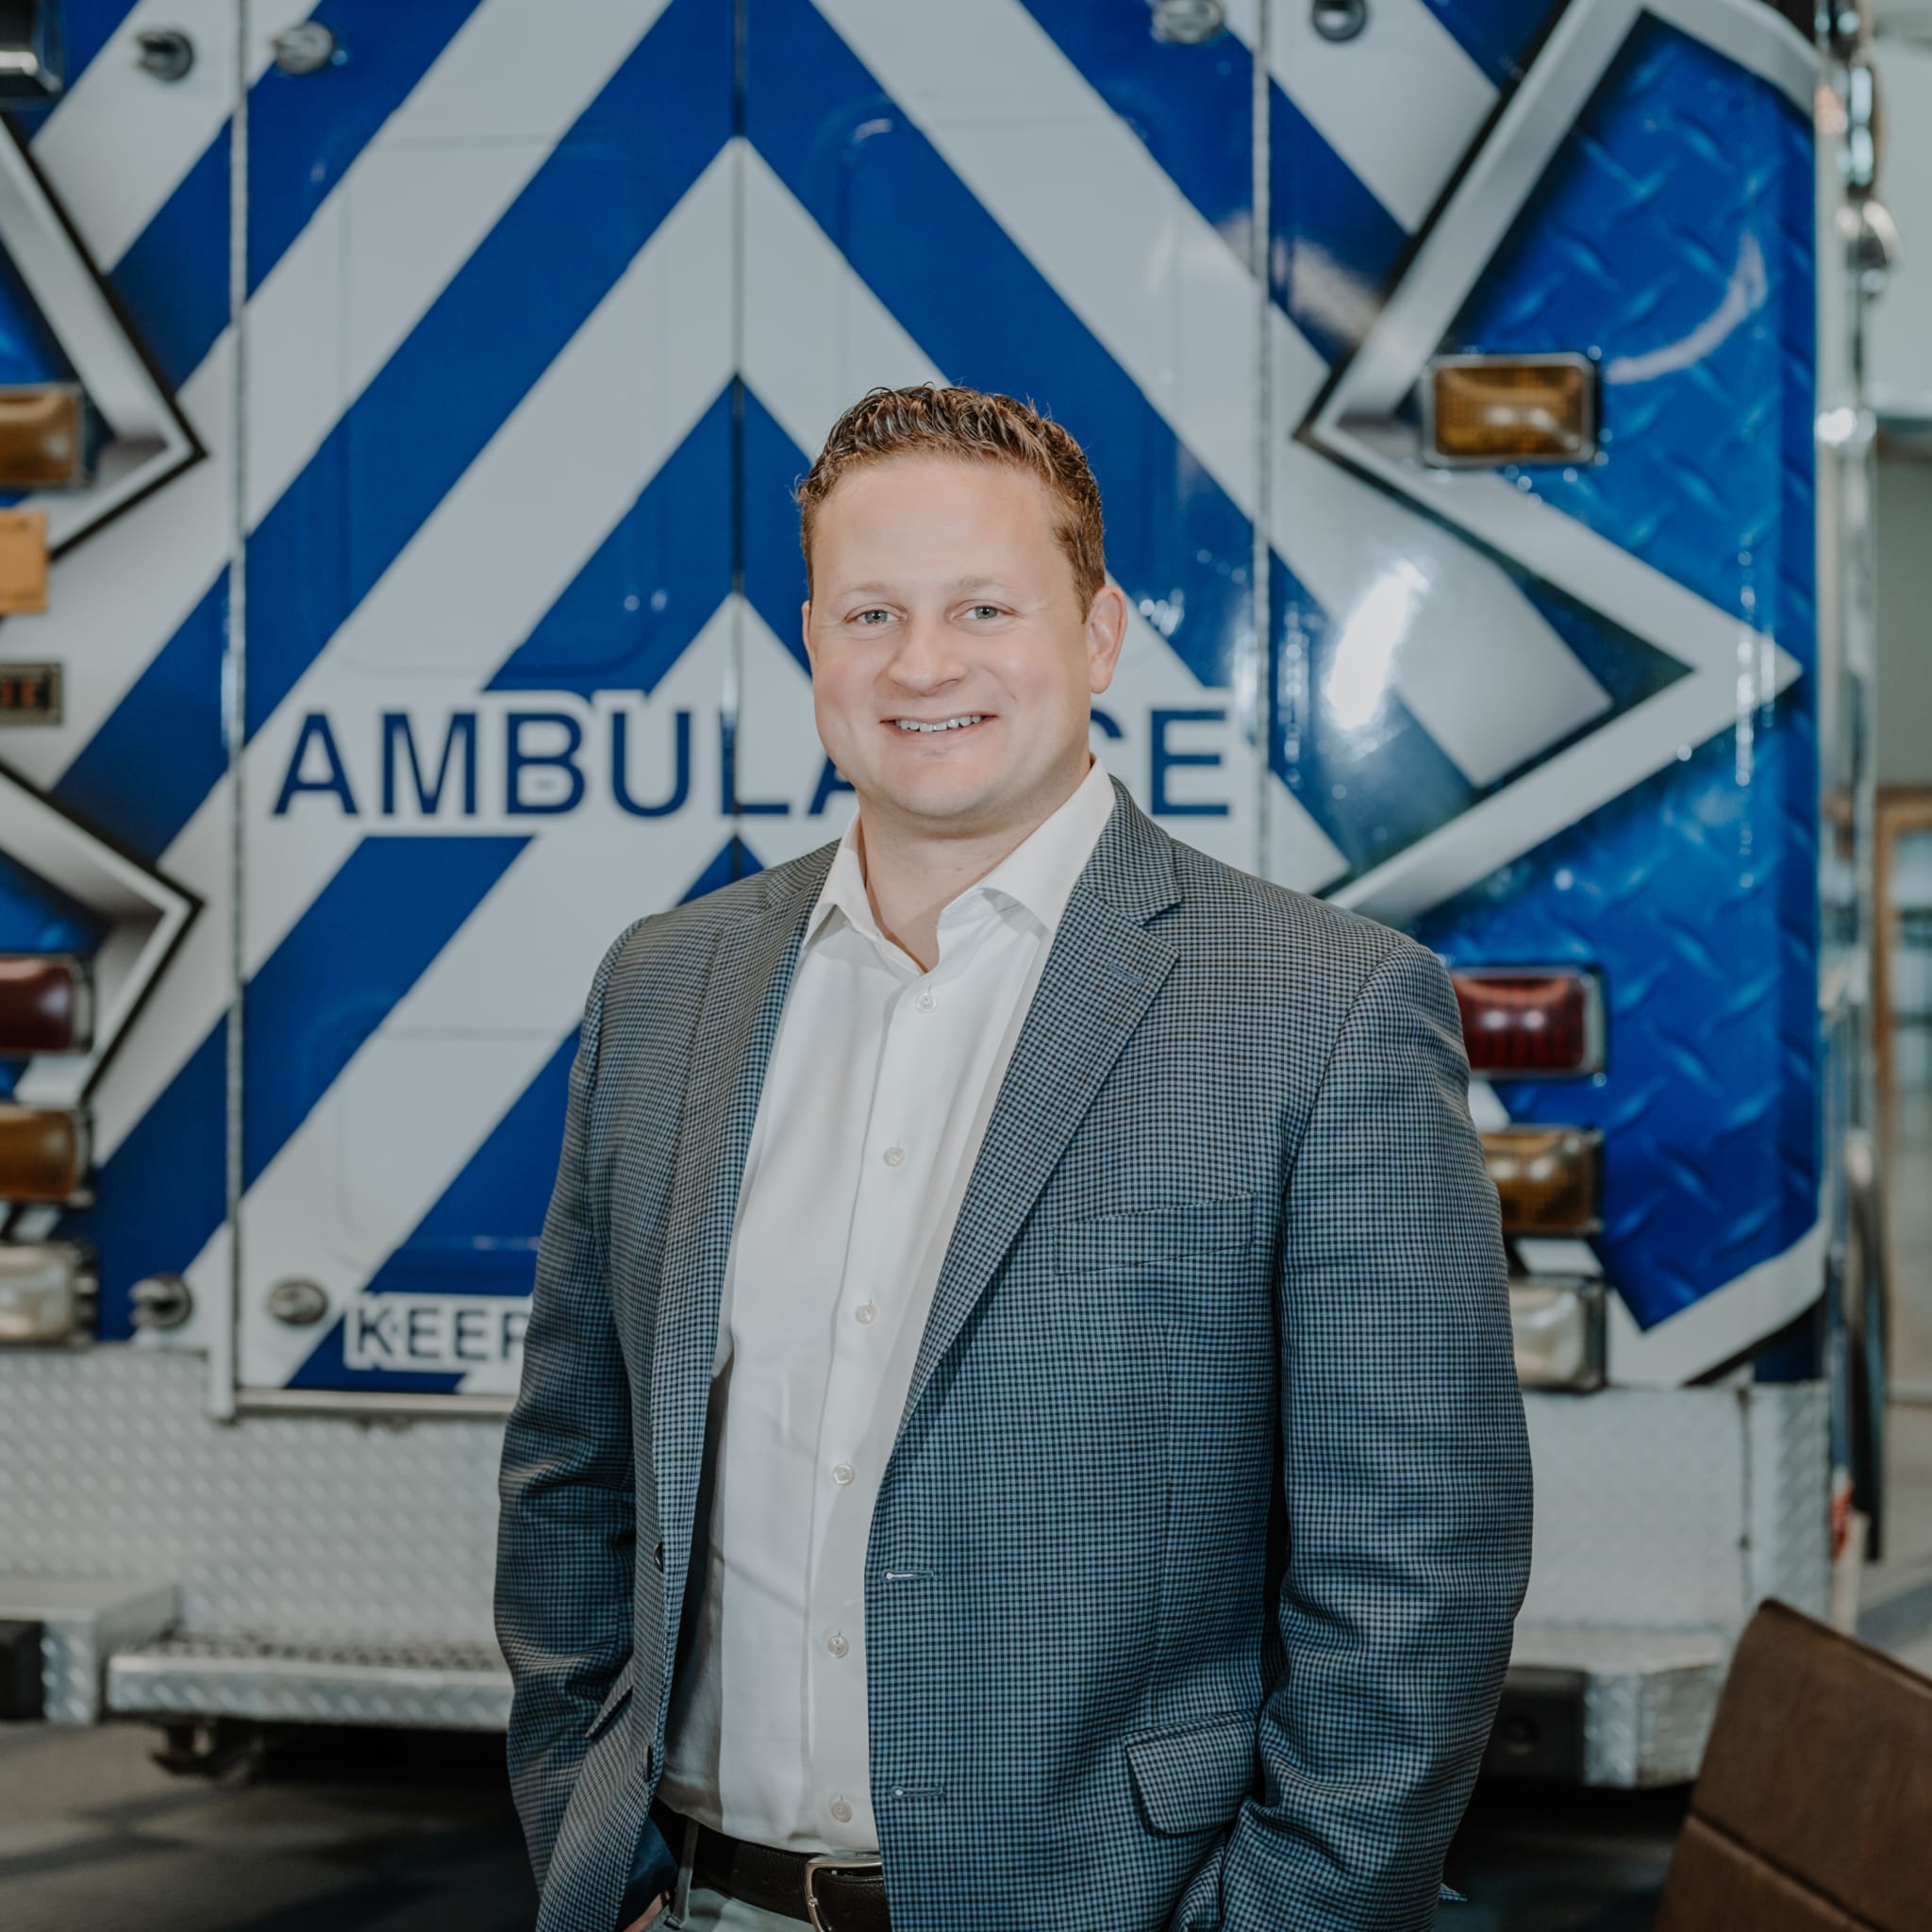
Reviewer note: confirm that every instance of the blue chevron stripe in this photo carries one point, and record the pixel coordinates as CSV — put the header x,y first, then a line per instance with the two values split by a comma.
x,y
304,133
1498,35
480,1236
1191,108
1334,244
1372,788
117,782
173,278
975,302
363,944
396,452
625,618
773,579
164,1190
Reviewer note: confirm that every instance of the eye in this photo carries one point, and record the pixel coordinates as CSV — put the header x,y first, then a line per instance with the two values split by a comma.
x,y
984,611
865,617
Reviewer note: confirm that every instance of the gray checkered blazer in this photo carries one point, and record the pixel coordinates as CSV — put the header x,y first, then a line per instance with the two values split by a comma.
x,y
1190,1587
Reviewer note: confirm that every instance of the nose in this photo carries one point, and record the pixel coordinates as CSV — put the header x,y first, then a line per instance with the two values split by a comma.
x,y
928,659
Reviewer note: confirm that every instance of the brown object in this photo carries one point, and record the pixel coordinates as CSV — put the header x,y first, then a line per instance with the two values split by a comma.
x,y
23,563
41,438
43,1153
1813,1808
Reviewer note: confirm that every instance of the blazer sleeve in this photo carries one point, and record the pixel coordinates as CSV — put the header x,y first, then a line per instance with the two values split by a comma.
x,y
566,1533
1406,1477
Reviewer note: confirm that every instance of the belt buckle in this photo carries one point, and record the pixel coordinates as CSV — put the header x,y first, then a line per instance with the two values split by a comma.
x,y
834,1861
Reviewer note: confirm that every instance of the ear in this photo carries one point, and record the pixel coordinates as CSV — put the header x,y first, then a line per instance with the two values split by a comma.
x,y
805,631
1106,630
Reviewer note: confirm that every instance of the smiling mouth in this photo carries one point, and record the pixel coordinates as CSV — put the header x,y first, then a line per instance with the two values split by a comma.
x,y
933,727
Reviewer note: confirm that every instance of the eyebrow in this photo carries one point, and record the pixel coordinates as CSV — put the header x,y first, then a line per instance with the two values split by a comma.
x,y
874,589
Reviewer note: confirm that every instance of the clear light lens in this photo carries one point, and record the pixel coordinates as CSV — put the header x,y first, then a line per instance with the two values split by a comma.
x,y
46,1292
1558,1328
42,437
44,1003
1528,1022
1512,409
1547,1178
43,1153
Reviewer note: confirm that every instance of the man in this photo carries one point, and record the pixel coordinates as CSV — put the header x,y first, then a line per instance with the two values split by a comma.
x,y
1020,1376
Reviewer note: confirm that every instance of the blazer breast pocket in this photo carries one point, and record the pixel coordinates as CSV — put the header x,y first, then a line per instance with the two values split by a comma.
x,y
1193,1776
1162,1234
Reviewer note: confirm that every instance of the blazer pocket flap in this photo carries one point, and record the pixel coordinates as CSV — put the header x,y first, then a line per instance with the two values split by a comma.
x,y
1165,1231
1193,1779
613,1702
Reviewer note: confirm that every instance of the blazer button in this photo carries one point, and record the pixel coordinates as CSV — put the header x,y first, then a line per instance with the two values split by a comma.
x,y
658,1554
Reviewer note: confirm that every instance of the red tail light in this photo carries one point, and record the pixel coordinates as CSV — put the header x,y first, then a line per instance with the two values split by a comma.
x,y
44,1003
1519,1021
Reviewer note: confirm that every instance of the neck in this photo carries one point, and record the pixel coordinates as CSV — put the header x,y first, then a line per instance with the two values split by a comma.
x,y
915,869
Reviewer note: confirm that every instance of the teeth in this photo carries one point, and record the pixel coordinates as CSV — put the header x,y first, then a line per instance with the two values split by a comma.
x,y
944,724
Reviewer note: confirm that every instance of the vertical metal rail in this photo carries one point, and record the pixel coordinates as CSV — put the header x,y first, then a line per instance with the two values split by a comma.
x,y
224,1355
1258,700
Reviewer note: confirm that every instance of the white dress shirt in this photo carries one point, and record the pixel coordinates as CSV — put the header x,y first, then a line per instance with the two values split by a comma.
x,y
880,1084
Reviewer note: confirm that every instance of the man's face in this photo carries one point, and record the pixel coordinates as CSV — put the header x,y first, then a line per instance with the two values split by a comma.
x,y
942,595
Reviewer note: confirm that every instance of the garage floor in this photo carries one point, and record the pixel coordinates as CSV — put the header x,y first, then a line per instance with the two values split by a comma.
x,y
359,1832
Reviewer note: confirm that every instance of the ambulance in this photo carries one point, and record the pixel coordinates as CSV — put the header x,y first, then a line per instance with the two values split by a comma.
x,y
400,403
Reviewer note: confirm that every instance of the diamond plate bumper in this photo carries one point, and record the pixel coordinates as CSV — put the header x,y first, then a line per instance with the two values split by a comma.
x,y
448,1687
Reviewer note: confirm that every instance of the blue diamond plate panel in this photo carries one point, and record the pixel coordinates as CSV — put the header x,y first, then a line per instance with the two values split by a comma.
x,y
1696,896
1670,239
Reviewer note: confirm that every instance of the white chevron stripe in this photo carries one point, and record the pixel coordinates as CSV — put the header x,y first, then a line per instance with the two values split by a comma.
x,y
432,183
1045,154
118,145
453,1055
490,110
457,600
1400,104
809,356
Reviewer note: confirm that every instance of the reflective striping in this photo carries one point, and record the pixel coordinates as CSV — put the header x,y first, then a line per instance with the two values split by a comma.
x,y
447,1059
175,278
117,781
161,1189
610,629
976,302
118,144
456,602
1400,104
554,64
367,938
400,447
1039,151
304,132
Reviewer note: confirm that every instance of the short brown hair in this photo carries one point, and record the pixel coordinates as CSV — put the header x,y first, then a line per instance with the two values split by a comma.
x,y
980,427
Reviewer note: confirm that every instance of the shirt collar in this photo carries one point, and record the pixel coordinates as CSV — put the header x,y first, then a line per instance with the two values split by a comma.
x,y
1038,875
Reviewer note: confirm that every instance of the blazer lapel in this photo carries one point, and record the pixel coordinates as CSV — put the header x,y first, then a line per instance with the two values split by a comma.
x,y
744,997
1101,975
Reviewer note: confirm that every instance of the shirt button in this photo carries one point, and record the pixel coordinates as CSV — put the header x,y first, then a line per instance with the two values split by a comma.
x,y
865,1312
926,1003
895,1155
837,1644
843,1471
841,1810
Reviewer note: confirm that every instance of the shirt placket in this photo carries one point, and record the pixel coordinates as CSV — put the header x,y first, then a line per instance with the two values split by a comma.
x,y
903,1130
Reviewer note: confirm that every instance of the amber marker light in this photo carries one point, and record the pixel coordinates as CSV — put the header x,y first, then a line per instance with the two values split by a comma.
x,y
42,437
1548,1179
1523,1023
1499,409
43,1153
46,1004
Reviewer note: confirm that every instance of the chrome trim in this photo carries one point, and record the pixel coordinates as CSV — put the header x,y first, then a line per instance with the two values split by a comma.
x,y
834,1861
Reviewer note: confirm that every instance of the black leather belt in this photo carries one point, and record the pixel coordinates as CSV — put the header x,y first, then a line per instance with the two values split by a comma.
x,y
832,1891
